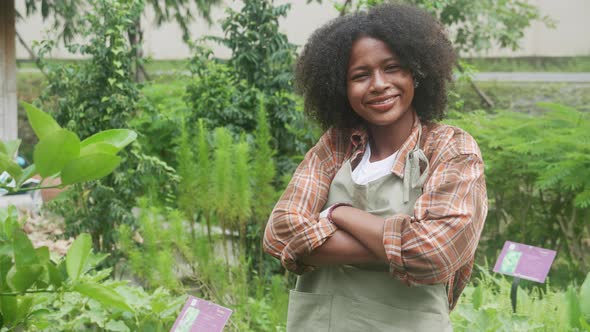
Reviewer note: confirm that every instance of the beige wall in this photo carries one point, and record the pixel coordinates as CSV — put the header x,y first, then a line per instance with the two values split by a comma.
x,y
570,37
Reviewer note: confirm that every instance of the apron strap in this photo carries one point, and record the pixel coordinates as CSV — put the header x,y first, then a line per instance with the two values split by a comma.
x,y
413,178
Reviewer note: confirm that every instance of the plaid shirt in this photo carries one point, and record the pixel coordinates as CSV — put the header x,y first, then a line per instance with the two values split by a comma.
x,y
435,245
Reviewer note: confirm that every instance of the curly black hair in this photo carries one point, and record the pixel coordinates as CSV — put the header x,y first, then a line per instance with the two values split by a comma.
x,y
414,36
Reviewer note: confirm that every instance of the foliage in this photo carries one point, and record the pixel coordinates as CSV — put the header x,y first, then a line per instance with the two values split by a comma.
x,y
263,57
546,199
476,26
215,95
264,193
96,95
38,293
151,248
486,306
158,119
66,13
197,266
60,153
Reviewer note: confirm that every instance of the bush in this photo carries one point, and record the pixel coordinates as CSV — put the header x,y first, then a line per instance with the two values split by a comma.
x,y
538,178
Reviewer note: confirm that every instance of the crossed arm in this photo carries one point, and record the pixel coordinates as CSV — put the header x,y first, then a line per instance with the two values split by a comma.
x,y
353,242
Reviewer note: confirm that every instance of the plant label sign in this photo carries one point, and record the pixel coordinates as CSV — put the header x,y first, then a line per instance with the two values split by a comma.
x,y
524,261
199,315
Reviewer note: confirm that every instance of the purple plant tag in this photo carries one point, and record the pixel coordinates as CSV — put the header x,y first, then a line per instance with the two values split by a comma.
x,y
199,315
524,261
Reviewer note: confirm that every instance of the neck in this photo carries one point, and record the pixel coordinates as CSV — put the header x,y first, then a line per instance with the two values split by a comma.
x,y
386,140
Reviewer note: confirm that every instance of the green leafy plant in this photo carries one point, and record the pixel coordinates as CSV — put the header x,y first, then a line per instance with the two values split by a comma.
x,y
546,199
485,306
60,153
96,95
263,57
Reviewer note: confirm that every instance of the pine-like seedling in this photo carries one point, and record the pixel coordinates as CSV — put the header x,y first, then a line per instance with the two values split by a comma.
x,y
222,182
203,201
263,174
242,191
188,189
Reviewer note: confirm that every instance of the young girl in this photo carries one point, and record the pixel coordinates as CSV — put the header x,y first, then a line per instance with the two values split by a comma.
x,y
382,218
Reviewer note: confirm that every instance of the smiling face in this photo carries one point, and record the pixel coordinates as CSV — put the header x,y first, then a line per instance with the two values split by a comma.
x,y
379,89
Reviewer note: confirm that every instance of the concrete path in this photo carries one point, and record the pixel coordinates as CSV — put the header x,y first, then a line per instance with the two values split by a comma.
x,y
534,77
489,76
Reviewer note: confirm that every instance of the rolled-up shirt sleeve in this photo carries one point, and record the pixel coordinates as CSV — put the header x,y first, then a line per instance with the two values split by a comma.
x,y
442,235
294,228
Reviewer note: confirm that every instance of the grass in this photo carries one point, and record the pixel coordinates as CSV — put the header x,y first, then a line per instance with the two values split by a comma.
x,y
523,97
532,64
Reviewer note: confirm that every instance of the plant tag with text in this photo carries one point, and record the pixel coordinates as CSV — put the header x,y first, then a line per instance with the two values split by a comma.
x,y
524,261
199,315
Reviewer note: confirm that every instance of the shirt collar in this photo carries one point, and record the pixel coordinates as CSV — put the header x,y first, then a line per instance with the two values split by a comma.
x,y
360,136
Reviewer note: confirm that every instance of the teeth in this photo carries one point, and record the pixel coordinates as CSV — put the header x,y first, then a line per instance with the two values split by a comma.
x,y
388,100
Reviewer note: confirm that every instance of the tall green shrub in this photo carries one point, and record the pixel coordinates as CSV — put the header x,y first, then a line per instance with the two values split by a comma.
x,y
223,182
242,201
263,174
538,178
263,57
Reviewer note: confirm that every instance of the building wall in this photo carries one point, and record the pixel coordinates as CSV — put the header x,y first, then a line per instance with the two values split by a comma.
x,y
569,38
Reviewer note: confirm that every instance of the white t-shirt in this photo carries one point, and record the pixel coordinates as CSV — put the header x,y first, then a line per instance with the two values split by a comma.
x,y
367,171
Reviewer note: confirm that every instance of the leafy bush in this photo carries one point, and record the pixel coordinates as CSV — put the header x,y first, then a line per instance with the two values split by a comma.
x,y
96,95
538,178
217,96
263,57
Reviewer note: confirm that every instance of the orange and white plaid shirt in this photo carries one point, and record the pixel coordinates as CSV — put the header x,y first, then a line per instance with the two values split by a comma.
x,y
435,245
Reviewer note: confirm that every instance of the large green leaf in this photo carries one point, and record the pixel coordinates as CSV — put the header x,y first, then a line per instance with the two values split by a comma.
x,y
77,256
20,279
5,266
89,167
8,222
43,124
55,150
24,252
572,307
28,173
24,308
10,148
55,277
9,306
12,168
103,294
118,138
585,298
99,147
42,255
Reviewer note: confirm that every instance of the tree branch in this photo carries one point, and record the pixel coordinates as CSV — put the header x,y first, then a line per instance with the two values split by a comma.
x,y
28,292
343,9
32,55
481,94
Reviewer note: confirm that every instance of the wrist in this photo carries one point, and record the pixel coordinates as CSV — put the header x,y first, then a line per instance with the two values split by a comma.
x,y
330,215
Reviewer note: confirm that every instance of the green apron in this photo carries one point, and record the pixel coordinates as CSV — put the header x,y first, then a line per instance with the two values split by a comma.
x,y
366,297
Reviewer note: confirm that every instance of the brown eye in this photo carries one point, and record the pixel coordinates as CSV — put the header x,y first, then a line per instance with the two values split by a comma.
x,y
359,76
392,68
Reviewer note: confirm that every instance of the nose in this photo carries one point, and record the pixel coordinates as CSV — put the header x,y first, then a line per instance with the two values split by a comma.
x,y
380,82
